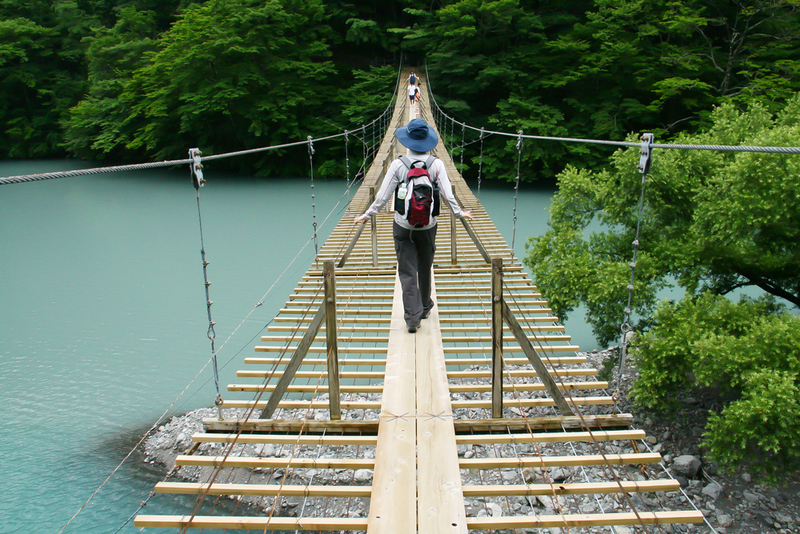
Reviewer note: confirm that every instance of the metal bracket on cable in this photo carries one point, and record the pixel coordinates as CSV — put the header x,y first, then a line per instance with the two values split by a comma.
x,y
196,168
645,153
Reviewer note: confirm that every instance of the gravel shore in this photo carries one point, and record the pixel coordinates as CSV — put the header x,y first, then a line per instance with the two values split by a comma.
x,y
731,503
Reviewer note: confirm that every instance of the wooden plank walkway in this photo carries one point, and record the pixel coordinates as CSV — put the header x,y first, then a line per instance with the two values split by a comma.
x,y
416,409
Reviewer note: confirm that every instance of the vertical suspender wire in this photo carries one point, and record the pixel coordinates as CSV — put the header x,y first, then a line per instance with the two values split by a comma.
x,y
347,164
364,147
625,328
198,181
463,126
480,165
313,197
516,192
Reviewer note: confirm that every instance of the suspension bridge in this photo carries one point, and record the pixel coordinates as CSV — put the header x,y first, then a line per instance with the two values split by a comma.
x,y
487,418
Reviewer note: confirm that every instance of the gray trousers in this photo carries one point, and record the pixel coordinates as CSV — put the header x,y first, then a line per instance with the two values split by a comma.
x,y
415,249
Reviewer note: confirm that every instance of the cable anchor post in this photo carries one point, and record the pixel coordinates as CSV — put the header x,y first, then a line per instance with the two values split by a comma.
x,y
196,168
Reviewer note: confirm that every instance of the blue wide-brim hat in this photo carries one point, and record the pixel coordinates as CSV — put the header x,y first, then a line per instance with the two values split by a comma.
x,y
417,136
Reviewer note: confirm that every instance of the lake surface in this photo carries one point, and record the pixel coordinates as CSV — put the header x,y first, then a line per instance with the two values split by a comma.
x,y
103,318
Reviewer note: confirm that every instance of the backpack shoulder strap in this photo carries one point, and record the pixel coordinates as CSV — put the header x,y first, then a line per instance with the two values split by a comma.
x,y
428,164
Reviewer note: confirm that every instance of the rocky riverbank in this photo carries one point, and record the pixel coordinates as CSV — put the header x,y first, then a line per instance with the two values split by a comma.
x,y
731,503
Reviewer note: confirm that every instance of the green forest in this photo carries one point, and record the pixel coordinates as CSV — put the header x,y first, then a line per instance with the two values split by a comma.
x,y
133,81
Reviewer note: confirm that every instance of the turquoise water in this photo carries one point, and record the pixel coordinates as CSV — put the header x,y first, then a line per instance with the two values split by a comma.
x,y
103,318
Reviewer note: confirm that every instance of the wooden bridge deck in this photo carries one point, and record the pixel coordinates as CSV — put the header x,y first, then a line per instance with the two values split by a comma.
x,y
416,409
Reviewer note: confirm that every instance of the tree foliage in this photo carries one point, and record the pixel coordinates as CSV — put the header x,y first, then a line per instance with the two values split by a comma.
x,y
711,221
750,353
125,79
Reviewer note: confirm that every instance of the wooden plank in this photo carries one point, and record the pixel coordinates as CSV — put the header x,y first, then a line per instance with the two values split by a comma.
x,y
526,403
591,488
551,437
312,388
296,426
250,523
441,503
202,437
554,422
518,388
584,520
393,503
274,463
265,490
559,461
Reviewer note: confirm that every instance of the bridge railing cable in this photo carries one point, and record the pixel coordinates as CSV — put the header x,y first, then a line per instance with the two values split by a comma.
x,y
439,112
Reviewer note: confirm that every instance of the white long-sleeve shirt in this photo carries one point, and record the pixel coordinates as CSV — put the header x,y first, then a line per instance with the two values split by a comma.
x,y
393,177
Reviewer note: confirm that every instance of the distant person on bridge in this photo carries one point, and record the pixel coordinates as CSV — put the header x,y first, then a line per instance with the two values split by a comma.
x,y
414,246
412,92
413,78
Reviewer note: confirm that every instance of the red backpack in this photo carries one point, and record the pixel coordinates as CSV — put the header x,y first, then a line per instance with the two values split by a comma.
x,y
421,199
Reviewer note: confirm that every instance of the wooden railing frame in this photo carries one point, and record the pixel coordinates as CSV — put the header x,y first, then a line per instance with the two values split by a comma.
x,y
327,313
501,312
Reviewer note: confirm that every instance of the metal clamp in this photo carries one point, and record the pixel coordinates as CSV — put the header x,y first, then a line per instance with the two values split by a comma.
x,y
196,168
645,153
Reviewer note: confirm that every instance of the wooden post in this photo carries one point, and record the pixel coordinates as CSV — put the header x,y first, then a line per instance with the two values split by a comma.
x,y
291,368
497,337
374,224
329,281
533,357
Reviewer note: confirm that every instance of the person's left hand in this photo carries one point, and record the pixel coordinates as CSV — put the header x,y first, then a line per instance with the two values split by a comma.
x,y
467,214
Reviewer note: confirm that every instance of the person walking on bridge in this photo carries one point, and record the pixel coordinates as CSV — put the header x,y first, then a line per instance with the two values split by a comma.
x,y
415,246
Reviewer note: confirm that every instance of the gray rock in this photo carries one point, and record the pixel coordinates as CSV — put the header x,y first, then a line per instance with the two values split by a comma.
x,y
363,475
749,496
686,465
495,509
725,520
713,490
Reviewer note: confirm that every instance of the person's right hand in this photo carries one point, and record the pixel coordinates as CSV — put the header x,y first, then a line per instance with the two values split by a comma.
x,y
361,219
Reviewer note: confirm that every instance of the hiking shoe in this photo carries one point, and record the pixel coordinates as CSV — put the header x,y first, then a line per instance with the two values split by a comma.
x,y
412,329
426,314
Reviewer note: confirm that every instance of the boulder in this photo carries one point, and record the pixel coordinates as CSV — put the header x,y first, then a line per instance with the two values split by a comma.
x,y
686,465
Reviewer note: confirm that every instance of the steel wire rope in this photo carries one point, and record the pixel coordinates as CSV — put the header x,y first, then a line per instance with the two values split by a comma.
x,y
555,500
625,327
254,407
316,390
588,479
480,164
313,201
231,444
683,493
6,180
584,424
677,146
259,304
480,476
46,176
516,192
